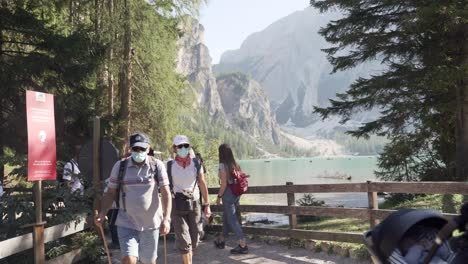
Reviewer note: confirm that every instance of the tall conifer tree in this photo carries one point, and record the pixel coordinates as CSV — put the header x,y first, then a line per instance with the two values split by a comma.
x,y
422,94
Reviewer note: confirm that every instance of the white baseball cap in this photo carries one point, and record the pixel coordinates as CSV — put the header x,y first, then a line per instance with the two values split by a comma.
x,y
181,139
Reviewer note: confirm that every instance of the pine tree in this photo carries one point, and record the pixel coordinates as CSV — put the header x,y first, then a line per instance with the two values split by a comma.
x,y
421,94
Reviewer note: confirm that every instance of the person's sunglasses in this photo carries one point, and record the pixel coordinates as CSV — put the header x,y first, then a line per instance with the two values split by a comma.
x,y
138,149
183,146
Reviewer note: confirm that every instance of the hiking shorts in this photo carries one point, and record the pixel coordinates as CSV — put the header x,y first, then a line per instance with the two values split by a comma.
x,y
140,244
186,227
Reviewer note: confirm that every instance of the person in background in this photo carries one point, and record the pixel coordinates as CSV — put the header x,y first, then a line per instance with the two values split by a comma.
x,y
185,174
143,215
1,189
198,156
1,184
203,220
227,164
71,172
151,152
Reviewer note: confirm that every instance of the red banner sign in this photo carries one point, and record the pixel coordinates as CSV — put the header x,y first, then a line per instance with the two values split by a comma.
x,y
41,136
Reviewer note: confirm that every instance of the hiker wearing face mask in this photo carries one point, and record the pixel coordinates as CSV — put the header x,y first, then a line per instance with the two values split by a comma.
x,y
185,176
142,216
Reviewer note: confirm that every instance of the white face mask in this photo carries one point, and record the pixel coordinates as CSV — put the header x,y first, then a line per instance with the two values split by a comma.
x,y
139,156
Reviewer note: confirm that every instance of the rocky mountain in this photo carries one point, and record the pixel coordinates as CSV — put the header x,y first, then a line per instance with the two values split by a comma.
x,y
236,98
286,59
194,62
245,104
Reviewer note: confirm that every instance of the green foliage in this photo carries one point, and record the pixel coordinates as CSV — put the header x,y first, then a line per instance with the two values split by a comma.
x,y
55,249
91,245
309,200
200,122
433,201
157,86
63,47
416,94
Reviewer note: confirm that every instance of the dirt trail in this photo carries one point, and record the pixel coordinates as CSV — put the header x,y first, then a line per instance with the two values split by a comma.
x,y
259,253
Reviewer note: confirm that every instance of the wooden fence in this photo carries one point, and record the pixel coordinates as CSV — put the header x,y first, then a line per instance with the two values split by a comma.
x,y
372,213
20,243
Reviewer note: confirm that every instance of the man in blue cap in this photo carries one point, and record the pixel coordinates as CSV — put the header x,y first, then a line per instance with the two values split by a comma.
x,y
142,217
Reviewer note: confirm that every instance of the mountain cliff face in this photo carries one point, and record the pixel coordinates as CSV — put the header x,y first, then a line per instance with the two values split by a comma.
x,y
194,62
234,97
286,59
246,105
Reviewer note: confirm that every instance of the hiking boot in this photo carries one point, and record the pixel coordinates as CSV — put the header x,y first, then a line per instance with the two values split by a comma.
x,y
219,244
240,250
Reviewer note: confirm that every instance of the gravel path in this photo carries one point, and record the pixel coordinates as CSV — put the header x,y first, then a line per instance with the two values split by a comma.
x,y
259,253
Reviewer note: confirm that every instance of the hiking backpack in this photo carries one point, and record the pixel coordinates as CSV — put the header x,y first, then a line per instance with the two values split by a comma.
x,y
121,175
240,182
72,171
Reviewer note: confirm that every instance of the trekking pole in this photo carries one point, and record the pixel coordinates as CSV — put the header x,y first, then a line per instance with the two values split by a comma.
x,y
165,251
101,232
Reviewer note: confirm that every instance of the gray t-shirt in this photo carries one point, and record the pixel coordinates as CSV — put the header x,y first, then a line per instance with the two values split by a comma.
x,y
142,196
223,167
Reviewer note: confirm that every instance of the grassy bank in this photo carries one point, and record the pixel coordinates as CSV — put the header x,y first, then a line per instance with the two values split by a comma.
x,y
358,251
436,202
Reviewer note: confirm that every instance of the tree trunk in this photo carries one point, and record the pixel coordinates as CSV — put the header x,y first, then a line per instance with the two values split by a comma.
x,y
102,72
70,10
97,16
125,82
110,57
462,115
2,166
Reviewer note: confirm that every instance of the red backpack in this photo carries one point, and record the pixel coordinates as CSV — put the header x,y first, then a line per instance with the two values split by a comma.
x,y
239,182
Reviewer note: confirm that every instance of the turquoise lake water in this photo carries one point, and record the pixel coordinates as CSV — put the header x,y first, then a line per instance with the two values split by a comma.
x,y
311,171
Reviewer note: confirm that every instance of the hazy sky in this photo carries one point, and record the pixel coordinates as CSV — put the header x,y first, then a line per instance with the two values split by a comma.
x,y
228,22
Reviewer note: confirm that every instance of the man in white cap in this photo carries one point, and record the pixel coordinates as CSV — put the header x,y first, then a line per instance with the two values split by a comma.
x,y
185,175
142,215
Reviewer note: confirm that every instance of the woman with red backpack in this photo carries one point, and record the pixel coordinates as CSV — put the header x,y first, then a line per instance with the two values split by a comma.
x,y
228,175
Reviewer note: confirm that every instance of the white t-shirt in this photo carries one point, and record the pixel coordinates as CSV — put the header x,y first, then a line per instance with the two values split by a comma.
x,y
184,179
70,172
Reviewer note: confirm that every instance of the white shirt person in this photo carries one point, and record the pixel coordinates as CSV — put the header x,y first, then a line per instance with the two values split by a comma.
x,y
70,174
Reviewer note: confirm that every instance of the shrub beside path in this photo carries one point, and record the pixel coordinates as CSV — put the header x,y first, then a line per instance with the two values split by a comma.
x,y
259,253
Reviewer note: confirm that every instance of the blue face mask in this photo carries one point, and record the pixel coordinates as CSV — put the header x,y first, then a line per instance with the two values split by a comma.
x,y
182,152
139,156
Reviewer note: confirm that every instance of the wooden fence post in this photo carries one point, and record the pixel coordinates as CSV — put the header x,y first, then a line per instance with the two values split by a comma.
x,y
96,163
373,204
292,202
38,227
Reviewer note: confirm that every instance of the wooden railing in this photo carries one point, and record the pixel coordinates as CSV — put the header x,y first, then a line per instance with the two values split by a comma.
x,y
20,243
372,213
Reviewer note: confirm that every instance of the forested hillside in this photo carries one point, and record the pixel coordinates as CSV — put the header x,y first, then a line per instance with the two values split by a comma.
x,y
107,58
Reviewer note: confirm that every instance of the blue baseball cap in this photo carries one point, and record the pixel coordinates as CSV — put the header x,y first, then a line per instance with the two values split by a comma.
x,y
139,140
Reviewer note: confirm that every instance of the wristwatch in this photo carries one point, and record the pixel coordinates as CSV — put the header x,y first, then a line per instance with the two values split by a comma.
x,y
207,204
219,197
